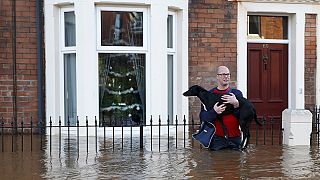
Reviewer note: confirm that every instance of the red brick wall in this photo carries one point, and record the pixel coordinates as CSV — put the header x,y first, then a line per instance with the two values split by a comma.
x,y
212,42
310,61
26,59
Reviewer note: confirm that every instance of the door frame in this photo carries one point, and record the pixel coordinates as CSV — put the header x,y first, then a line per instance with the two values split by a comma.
x,y
296,19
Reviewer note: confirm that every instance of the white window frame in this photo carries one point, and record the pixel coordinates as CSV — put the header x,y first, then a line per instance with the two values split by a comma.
x,y
64,50
279,41
251,36
127,49
172,51
62,32
122,48
174,19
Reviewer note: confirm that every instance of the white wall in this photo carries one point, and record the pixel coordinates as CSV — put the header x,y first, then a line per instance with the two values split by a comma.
x,y
87,56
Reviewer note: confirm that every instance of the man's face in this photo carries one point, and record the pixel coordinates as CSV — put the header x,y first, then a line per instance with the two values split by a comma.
x,y
223,77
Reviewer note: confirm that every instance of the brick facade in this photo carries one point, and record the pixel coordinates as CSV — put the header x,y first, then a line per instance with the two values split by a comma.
x,y
26,60
310,61
212,42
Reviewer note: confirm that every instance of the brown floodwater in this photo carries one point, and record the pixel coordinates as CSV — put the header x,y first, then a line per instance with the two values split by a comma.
x,y
69,161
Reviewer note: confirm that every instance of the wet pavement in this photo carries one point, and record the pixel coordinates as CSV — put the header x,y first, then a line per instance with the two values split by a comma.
x,y
129,162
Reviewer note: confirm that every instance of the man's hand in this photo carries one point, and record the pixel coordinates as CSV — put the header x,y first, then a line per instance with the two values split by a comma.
x,y
231,99
219,109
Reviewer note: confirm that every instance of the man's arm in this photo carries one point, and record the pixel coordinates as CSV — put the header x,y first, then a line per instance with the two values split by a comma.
x,y
209,116
237,93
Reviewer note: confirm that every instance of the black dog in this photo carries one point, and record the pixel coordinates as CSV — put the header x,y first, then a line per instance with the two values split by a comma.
x,y
208,100
247,110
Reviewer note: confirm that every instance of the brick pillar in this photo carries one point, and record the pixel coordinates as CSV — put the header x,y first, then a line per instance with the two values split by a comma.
x,y
310,61
26,60
212,42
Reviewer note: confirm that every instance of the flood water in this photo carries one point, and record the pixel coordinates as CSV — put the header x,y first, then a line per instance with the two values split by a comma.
x,y
129,162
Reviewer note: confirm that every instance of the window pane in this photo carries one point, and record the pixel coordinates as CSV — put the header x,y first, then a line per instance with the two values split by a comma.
x,y
254,24
121,28
122,89
268,27
170,31
69,29
170,88
70,95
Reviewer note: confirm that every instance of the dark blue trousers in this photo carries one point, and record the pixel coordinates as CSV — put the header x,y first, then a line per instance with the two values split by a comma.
x,y
219,142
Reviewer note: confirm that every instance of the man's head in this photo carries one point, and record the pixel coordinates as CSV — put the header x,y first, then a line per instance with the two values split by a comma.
x,y
223,77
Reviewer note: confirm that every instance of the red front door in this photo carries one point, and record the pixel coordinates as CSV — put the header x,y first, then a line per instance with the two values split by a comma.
x,y
268,78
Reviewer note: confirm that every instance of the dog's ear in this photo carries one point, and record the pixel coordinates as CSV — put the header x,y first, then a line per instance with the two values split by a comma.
x,y
198,87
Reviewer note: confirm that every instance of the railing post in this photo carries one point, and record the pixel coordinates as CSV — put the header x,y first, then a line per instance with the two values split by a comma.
x,y
104,131
122,132
78,141
192,121
2,124
68,133
151,132
141,135
176,131
96,126
159,131
87,127
184,131
271,121
264,130
12,135
50,123
257,134
31,126
22,134
318,126
113,134
59,135
168,132
40,131
131,124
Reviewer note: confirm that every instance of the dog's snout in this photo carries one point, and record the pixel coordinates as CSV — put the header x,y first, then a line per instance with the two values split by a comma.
x,y
185,93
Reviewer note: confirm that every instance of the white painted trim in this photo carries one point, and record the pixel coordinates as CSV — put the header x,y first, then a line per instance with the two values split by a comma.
x,y
124,9
274,41
318,60
64,50
62,29
174,20
242,67
297,66
172,51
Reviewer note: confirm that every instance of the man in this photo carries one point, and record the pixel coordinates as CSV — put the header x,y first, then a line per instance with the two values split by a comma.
x,y
231,137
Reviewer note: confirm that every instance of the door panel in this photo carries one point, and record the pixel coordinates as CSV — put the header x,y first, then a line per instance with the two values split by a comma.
x,y
268,78
255,81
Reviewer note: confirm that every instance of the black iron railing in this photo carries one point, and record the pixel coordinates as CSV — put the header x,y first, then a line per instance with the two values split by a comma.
x,y
314,137
268,134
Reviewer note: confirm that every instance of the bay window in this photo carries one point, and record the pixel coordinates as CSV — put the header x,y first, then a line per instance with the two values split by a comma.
x,y
122,98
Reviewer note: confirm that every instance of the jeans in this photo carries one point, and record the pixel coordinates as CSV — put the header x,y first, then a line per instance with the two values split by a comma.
x,y
219,142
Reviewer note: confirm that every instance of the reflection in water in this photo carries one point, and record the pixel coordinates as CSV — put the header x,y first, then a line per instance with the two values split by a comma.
x,y
75,162
299,162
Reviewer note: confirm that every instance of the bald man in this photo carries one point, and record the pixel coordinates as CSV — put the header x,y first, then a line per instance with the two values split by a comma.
x,y
228,134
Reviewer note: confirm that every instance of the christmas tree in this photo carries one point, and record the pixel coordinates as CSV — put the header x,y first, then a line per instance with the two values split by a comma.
x,y
121,103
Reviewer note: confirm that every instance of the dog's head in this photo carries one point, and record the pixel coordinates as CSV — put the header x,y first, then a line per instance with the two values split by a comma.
x,y
194,90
